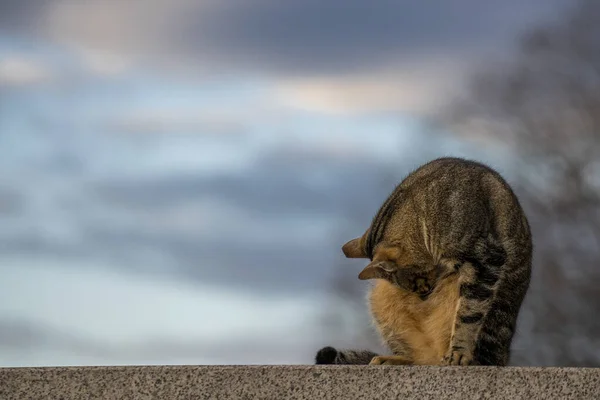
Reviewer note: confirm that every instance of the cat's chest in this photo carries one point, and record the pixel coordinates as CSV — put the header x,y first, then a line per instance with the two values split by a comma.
x,y
401,314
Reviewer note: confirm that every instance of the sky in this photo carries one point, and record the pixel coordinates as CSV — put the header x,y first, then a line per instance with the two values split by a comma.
x,y
179,176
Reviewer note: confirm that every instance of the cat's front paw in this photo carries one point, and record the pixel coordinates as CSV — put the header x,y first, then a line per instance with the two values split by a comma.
x,y
326,355
458,356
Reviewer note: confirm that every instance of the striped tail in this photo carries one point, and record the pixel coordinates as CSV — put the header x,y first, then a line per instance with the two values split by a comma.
x,y
329,355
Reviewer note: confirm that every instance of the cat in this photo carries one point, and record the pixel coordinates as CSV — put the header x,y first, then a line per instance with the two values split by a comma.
x,y
451,254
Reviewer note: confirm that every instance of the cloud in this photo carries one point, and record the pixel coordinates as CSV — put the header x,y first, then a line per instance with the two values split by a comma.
x,y
414,88
302,38
334,56
56,346
104,63
16,69
252,228
179,120
21,16
141,319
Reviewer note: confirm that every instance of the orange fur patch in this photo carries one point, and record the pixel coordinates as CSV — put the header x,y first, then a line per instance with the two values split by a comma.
x,y
425,326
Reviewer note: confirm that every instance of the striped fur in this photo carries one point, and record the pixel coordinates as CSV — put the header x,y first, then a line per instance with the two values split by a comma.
x,y
450,253
329,355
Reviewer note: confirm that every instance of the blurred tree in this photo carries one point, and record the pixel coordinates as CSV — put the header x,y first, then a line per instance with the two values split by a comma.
x,y
545,104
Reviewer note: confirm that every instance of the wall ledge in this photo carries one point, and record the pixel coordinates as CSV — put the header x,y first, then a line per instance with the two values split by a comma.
x,y
299,382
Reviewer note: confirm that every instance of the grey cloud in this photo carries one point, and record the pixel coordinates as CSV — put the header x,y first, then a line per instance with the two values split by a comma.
x,y
278,187
19,334
312,36
20,16
284,269
350,35
11,202
277,183
275,188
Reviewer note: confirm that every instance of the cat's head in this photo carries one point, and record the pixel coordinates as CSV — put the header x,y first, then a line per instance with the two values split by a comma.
x,y
391,262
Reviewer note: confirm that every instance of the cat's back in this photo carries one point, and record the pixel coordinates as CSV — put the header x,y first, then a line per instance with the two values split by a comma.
x,y
450,197
452,175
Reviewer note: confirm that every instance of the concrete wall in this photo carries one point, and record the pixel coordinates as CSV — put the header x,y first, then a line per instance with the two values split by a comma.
x,y
298,382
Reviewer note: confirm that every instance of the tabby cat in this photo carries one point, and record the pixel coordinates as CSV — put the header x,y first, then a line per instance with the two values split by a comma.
x,y
450,253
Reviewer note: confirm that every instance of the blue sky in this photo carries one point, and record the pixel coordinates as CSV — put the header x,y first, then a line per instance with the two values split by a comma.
x,y
179,176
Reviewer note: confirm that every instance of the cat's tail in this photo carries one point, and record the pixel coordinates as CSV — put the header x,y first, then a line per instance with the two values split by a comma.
x,y
330,355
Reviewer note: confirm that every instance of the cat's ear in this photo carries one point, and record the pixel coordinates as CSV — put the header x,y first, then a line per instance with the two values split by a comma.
x,y
354,249
377,270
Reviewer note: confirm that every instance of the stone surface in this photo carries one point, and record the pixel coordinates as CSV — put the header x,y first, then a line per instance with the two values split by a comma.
x,y
299,382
